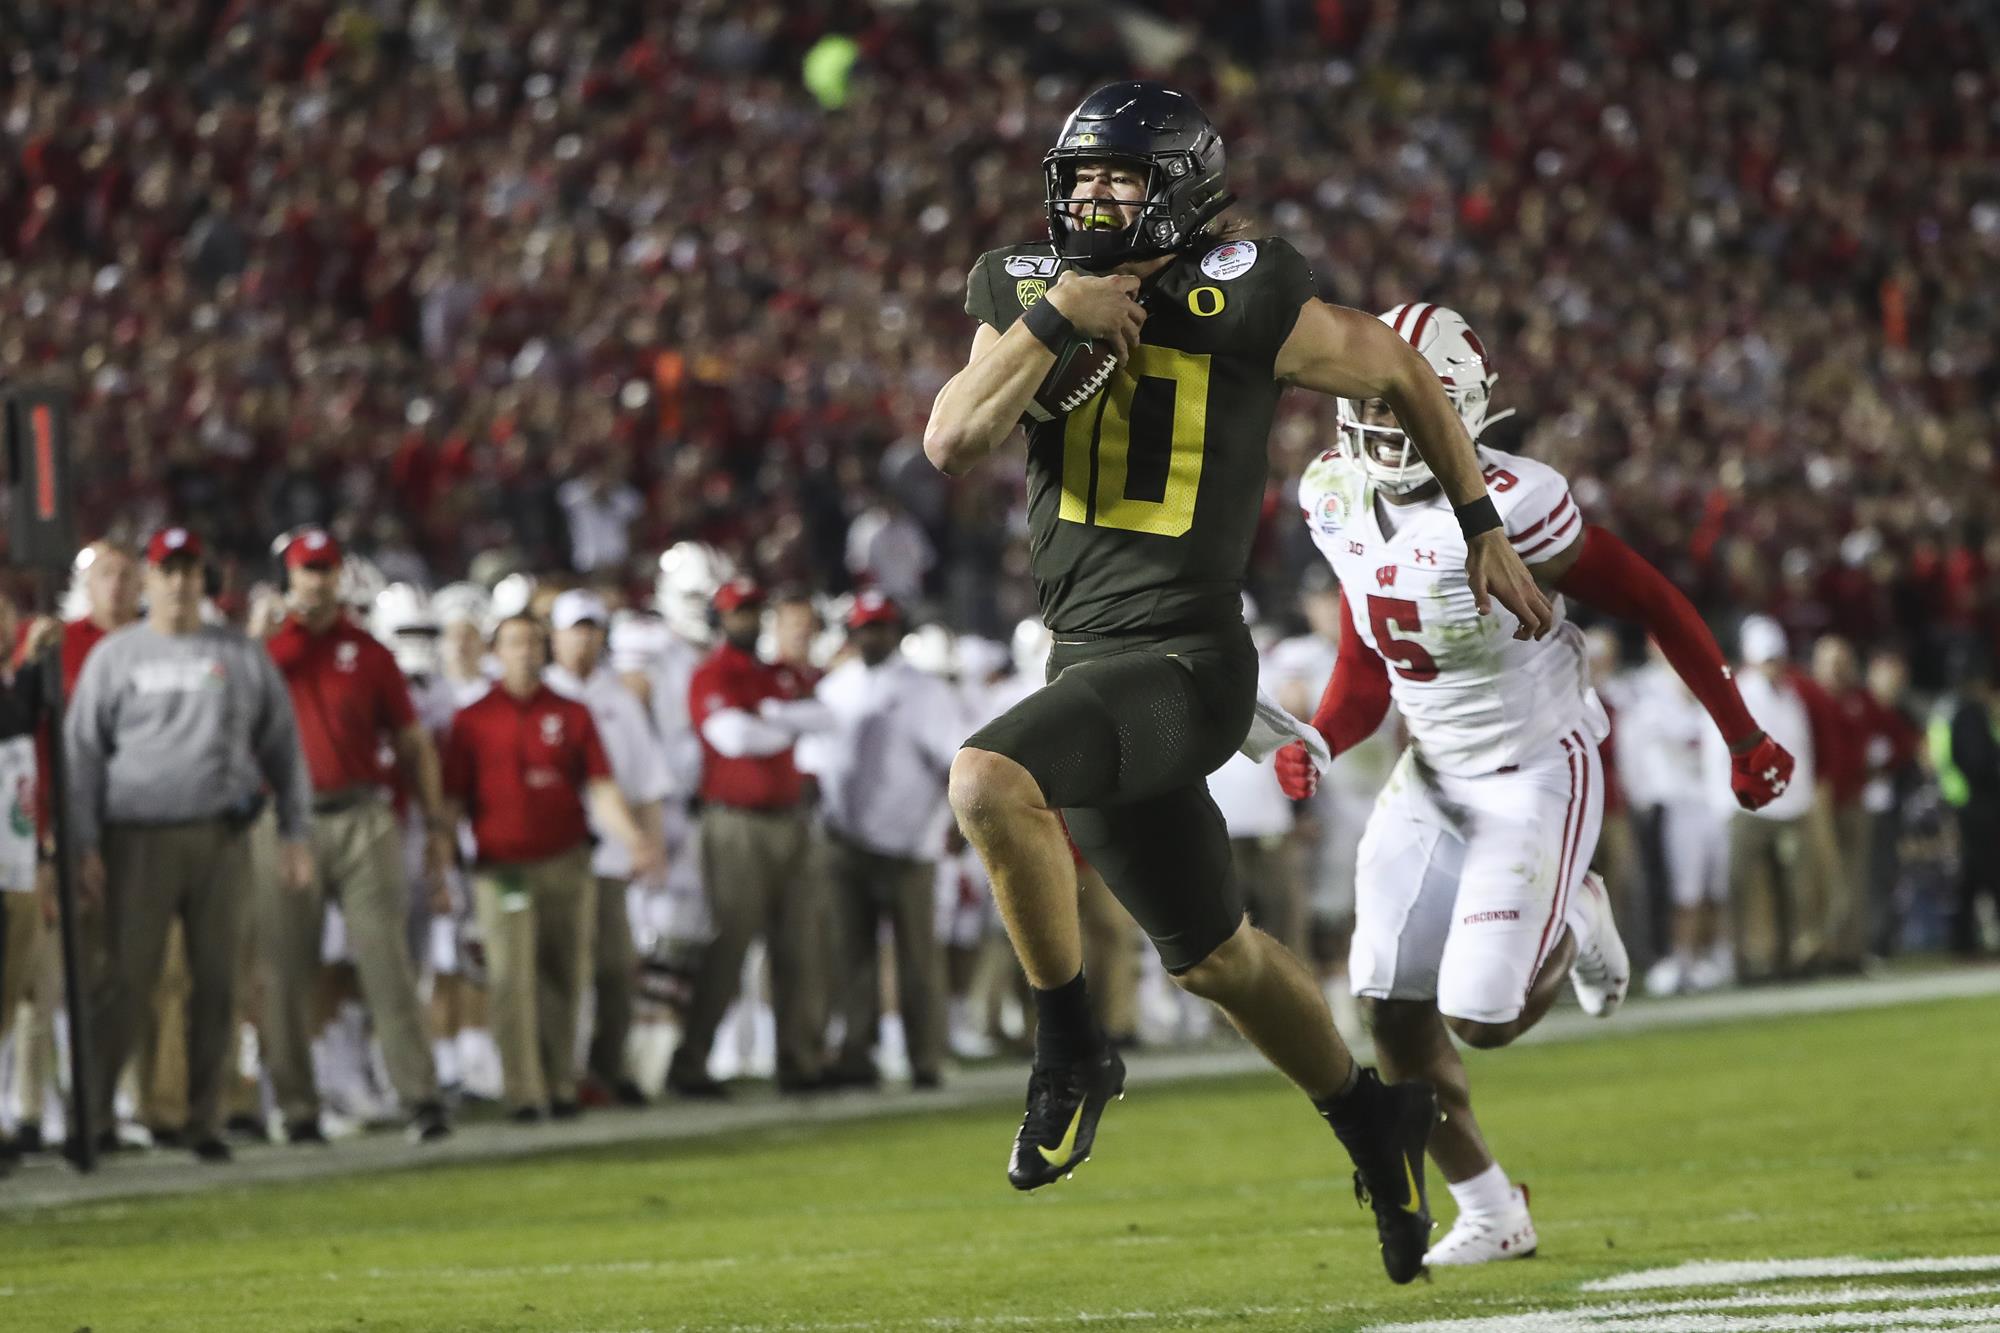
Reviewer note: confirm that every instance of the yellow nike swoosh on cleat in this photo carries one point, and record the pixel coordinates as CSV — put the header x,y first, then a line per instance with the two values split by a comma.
x,y
1063,1151
1415,1203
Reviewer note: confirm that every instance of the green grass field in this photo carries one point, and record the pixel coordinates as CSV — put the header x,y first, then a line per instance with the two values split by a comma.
x,y
1209,1205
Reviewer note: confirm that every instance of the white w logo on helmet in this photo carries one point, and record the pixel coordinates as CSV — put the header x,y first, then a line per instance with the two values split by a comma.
x,y
1458,358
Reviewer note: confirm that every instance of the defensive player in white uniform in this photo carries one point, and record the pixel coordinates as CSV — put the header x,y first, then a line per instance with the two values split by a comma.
x,y
1473,896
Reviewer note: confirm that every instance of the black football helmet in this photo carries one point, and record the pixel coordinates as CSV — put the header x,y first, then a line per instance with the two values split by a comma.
x,y
1151,125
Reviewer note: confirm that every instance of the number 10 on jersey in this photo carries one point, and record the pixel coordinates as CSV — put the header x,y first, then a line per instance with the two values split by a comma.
x,y
1099,443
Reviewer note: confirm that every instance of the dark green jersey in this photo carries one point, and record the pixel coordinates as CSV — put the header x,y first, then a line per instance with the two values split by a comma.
x,y
1142,503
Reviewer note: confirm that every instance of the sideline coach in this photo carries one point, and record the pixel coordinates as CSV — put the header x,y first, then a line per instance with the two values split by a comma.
x,y
175,730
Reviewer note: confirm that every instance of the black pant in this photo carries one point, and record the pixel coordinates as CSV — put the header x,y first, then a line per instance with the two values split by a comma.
x,y
1978,870
1122,739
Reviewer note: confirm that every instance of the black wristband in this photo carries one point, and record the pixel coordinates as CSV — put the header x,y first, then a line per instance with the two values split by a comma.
x,y
1476,517
1050,326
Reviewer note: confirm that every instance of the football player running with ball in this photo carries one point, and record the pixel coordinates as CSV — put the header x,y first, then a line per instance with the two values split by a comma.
x,y
1473,896
1146,470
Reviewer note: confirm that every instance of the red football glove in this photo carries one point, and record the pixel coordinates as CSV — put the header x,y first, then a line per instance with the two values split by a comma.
x,y
1297,773
1760,774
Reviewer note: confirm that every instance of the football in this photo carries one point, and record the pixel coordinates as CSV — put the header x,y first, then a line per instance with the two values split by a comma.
x,y
1081,369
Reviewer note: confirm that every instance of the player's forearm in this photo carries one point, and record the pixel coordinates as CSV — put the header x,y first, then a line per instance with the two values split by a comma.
x,y
613,815
1420,405
1617,580
978,407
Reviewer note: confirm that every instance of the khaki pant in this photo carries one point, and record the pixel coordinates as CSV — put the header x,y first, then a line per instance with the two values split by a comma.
x,y
538,919
160,1064
357,862
757,870
614,979
867,887
1267,875
1110,954
196,873
21,930
1781,880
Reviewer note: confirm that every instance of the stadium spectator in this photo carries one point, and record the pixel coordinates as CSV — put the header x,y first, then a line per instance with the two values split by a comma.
x,y
526,766
881,769
1965,747
351,701
176,730
1847,744
639,767
756,846
1771,857
1893,745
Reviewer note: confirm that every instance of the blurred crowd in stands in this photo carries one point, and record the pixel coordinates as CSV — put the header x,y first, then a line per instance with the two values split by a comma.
x,y
564,284
505,301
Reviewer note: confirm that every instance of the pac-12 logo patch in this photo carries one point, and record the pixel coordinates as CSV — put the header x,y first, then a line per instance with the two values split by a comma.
x,y
1229,261
1332,512
1029,290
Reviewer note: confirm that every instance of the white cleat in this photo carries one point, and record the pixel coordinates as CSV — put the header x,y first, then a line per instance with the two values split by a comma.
x,y
1603,970
1488,1238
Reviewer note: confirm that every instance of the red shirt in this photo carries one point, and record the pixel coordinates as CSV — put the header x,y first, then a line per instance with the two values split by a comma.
x,y
730,678
1839,737
519,766
347,694
79,637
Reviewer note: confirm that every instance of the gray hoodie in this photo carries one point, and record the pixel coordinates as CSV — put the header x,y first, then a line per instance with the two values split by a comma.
x,y
164,728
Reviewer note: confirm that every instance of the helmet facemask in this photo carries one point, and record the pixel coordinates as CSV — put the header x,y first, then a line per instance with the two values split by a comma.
x,y
1100,246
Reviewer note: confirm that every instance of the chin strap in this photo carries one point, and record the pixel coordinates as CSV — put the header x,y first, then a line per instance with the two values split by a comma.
x,y
1614,578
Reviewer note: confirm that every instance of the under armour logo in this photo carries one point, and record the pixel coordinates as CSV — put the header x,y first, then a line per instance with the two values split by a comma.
x,y
1427,557
1385,577
1777,783
1356,548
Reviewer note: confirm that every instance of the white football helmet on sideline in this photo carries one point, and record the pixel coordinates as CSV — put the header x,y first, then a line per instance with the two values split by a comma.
x,y
932,650
361,582
1457,356
690,572
403,620
1030,649
512,596
466,602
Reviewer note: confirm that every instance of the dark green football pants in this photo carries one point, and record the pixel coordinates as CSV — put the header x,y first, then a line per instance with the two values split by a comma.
x,y
1121,740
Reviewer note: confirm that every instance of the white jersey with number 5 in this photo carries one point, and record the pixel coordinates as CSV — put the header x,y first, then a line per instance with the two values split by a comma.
x,y
1475,698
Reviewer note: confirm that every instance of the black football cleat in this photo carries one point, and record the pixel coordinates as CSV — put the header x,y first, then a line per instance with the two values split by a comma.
x,y
1385,1133
1064,1102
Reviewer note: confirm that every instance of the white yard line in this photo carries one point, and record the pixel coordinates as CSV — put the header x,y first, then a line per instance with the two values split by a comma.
x,y
1596,1321
1729,1273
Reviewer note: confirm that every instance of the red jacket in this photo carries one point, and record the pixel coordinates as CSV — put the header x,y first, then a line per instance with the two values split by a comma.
x,y
730,678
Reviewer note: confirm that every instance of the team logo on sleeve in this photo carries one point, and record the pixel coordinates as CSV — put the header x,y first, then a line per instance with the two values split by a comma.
x,y
1029,290
1229,261
1032,266
1332,512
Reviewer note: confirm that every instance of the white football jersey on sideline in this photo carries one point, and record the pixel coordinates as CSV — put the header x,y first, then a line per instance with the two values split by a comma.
x,y
1475,699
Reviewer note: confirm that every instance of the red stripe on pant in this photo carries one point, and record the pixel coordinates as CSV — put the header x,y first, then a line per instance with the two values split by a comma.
x,y
1572,835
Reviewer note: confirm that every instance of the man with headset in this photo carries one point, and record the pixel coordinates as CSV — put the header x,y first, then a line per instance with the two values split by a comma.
x,y
348,695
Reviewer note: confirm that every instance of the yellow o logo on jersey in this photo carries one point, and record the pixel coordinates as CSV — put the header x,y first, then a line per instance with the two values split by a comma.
x,y
1206,301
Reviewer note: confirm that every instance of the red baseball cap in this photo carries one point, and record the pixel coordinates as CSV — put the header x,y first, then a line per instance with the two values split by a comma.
x,y
314,548
874,608
737,594
170,542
